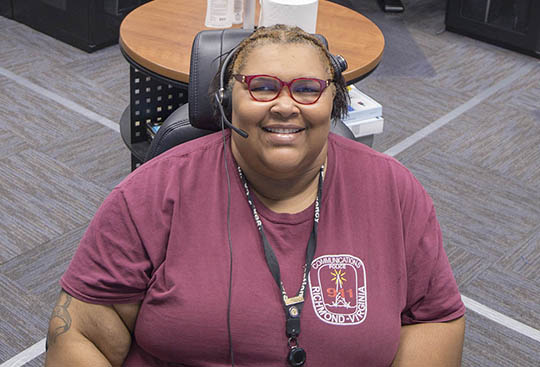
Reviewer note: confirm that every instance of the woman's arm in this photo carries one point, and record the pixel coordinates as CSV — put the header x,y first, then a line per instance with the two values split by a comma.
x,y
431,344
84,334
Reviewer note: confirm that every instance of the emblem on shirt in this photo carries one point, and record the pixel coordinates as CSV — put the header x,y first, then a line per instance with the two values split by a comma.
x,y
338,289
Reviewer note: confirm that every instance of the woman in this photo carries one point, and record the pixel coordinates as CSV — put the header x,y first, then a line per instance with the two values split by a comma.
x,y
152,282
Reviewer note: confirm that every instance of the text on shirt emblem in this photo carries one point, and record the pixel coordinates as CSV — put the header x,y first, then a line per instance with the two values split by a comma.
x,y
338,289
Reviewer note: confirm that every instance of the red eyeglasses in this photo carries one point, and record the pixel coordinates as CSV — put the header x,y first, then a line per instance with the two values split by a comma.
x,y
266,88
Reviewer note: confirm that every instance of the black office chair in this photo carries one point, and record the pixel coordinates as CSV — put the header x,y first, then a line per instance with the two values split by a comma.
x,y
196,118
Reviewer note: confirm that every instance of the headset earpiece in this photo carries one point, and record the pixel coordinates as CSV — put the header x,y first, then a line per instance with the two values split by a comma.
x,y
339,64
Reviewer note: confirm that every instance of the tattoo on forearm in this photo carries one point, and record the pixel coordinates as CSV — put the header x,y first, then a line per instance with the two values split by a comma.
x,y
60,311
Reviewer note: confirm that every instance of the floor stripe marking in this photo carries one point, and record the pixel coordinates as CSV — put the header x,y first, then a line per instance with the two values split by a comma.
x,y
501,319
435,125
26,355
61,100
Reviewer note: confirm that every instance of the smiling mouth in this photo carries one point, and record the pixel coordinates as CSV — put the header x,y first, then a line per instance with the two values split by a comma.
x,y
282,130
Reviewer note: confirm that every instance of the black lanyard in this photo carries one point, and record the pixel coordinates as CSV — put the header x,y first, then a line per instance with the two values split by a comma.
x,y
292,306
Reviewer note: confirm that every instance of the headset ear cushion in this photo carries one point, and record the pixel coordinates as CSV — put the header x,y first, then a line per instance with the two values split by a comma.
x,y
339,63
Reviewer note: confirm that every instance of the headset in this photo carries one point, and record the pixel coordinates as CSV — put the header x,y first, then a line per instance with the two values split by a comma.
x,y
223,95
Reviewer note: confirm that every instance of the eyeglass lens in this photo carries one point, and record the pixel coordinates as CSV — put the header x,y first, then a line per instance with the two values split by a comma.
x,y
303,90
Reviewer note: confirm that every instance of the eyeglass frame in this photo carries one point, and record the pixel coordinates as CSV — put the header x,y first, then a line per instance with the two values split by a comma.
x,y
246,79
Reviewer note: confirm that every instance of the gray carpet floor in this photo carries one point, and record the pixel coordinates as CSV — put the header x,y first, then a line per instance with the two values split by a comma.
x,y
481,165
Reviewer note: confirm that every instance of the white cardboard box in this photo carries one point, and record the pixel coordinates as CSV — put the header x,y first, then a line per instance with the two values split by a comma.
x,y
366,127
365,114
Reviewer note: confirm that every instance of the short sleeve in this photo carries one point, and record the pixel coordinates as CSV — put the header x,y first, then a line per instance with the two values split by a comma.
x,y
432,292
110,264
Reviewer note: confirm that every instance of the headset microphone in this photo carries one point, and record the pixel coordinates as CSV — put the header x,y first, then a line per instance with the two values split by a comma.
x,y
224,118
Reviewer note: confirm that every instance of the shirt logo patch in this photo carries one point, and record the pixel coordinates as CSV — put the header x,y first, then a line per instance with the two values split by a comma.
x,y
338,289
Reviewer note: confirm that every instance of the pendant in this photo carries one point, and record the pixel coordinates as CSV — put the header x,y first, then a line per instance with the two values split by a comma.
x,y
297,356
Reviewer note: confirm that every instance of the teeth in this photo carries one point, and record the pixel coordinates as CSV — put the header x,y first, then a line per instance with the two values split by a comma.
x,y
282,131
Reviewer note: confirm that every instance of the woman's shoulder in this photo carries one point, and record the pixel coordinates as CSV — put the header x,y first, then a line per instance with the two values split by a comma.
x,y
376,171
189,157
359,155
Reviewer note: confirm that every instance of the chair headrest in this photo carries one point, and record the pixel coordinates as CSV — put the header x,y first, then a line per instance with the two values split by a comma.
x,y
209,50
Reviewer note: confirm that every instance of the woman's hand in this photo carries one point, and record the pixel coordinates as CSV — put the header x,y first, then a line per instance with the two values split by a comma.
x,y
431,344
84,334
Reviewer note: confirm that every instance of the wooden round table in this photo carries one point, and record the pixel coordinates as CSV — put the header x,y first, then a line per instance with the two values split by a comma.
x,y
158,36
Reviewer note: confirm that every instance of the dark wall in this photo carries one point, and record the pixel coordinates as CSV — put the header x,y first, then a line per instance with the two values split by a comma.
x,y
6,8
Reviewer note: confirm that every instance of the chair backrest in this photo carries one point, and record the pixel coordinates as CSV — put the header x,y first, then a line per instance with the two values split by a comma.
x,y
210,48
197,118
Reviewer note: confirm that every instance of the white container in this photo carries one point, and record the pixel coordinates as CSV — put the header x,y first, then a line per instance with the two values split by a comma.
x,y
249,14
219,13
238,11
301,13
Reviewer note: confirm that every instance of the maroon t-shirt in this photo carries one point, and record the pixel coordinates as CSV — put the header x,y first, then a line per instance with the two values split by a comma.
x,y
160,238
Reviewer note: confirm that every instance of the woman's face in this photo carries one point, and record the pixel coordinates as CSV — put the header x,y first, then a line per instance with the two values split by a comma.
x,y
286,138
